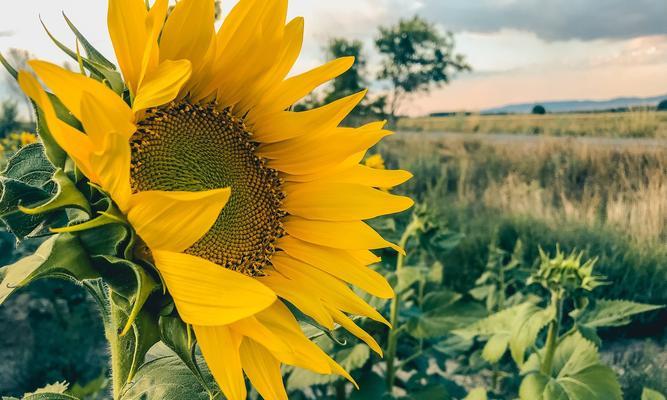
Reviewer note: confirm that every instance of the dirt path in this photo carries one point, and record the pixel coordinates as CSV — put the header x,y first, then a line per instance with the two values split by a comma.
x,y
509,138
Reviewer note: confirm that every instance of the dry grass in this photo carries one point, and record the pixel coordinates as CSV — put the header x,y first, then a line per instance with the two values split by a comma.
x,y
554,180
638,123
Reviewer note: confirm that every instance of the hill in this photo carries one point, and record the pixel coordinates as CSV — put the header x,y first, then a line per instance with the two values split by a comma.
x,y
578,105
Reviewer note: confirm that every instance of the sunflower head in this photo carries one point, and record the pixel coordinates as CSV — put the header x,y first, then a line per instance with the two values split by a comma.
x,y
242,206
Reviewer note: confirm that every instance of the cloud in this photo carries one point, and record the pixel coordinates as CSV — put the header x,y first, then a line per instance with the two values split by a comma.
x,y
553,20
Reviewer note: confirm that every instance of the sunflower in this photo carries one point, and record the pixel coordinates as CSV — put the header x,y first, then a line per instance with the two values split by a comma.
x,y
243,205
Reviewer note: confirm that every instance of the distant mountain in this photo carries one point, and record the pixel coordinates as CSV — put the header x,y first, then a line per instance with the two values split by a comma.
x,y
578,105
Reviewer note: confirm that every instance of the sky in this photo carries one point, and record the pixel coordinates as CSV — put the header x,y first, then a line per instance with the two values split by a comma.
x,y
520,50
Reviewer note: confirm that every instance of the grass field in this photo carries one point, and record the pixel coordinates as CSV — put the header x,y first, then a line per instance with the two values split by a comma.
x,y
639,123
610,202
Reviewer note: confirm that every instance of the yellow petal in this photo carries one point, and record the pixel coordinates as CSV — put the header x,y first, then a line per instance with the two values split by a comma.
x,y
292,291
255,330
346,164
305,353
340,201
162,85
289,49
364,257
338,263
331,290
75,143
70,88
363,175
129,35
285,125
99,124
208,294
352,235
258,43
174,221
354,329
154,23
263,369
188,31
297,87
221,349
112,166
312,154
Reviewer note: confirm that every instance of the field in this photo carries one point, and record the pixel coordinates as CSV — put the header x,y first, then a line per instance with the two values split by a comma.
x,y
637,123
607,198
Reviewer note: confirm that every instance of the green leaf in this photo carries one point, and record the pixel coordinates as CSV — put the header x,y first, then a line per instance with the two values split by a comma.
x,y
577,374
60,256
29,165
517,326
49,396
167,378
477,394
612,313
408,276
430,392
174,334
371,386
527,325
26,181
442,312
495,347
649,394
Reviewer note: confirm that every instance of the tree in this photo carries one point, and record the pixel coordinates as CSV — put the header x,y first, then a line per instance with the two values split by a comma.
x,y
18,59
662,106
351,81
8,118
417,58
539,110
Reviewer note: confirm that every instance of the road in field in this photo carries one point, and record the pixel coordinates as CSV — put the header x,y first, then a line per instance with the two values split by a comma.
x,y
509,138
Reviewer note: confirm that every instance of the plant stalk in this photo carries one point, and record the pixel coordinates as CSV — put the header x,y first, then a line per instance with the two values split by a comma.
x,y
121,348
392,339
552,334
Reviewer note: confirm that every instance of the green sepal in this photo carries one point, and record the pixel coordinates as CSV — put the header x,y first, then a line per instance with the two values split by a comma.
x,y
10,69
98,71
60,256
136,291
143,335
105,218
67,196
176,335
92,53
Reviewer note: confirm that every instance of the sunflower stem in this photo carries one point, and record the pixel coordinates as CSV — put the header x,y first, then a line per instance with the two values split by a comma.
x,y
119,346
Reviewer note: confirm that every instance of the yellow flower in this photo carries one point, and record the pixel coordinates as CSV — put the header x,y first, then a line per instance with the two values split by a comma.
x,y
375,161
243,204
26,138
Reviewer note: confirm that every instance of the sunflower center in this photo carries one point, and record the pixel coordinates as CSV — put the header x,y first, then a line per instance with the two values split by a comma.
x,y
188,147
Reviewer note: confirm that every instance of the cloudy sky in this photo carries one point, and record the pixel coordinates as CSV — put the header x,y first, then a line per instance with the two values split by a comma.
x,y
521,50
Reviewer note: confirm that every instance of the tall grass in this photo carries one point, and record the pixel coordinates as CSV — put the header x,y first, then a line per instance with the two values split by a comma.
x,y
622,188
636,123
609,202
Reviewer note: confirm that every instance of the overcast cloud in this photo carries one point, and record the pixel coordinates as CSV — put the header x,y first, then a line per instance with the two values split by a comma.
x,y
554,19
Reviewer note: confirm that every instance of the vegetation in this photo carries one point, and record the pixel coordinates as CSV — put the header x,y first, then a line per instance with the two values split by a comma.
x,y
539,110
416,58
632,124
